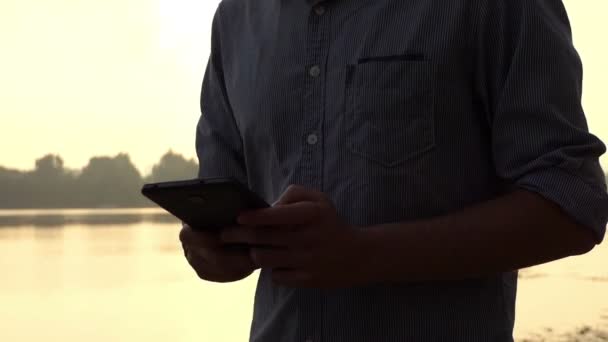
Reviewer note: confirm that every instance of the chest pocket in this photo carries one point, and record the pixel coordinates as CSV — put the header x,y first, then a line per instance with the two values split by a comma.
x,y
390,109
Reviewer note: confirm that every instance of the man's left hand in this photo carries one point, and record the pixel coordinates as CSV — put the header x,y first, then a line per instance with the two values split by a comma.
x,y
305,242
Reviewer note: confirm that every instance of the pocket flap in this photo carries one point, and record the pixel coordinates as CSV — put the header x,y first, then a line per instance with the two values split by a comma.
x,y
395,74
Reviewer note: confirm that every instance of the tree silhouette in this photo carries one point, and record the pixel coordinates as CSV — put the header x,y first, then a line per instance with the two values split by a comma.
x,y
49,165
173,166
10,183
103,182
48,179
109,182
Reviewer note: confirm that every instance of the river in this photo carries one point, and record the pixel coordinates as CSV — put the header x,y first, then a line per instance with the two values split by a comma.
x,y
119,275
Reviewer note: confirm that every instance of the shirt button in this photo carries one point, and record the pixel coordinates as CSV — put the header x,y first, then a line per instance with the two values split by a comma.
x,y
312,139
319,10
314,71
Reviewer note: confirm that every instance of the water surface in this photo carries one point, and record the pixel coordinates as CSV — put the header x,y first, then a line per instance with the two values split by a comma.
x,y
119,275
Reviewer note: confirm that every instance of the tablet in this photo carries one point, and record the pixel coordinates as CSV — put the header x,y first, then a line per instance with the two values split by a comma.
x,y
207,203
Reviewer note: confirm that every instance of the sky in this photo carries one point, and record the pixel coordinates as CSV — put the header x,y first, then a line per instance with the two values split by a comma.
x,y
84,78
88,77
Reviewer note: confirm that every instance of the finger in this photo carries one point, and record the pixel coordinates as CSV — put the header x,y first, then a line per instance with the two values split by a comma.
x,y
292,277
221,260
273,258
185,248
285,214
298,193
192,237
203,269
208,272
225,258
258,235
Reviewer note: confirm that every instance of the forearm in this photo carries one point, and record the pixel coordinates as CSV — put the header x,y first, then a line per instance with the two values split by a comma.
x,y
518,230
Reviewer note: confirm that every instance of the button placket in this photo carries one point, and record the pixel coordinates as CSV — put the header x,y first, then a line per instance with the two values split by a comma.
x,y
311,162
314,71
312,139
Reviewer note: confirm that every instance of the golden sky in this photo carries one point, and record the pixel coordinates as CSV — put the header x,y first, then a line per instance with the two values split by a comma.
x,y
88,77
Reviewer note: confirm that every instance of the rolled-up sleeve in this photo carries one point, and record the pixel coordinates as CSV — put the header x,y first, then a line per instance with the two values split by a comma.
x,y
530,78
218,141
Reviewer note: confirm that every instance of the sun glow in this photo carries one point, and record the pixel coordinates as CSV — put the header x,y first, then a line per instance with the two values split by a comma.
x,y
88,77
183,21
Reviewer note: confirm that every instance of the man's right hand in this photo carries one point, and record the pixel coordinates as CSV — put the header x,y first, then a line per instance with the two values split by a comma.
x,y
213,260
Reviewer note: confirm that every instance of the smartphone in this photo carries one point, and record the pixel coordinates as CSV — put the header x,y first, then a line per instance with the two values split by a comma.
x,y
206,203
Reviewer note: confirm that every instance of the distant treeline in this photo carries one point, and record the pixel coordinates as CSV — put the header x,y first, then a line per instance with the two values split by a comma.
x,y
105,182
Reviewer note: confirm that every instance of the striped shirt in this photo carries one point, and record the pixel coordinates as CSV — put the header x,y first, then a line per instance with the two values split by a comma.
x,y
398,110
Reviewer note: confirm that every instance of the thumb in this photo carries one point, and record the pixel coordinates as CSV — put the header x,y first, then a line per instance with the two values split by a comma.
x,y
299,193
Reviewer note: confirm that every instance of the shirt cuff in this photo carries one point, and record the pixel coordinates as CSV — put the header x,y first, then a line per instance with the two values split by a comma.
x,y
585,202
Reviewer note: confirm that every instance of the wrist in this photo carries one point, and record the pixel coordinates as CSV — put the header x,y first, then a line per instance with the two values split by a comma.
x,y
385,257
365,256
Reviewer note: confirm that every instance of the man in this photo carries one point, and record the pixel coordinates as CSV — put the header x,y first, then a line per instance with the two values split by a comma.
x,y
418,153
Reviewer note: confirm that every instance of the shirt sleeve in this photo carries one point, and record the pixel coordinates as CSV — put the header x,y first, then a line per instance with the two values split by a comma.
x,y
218,141
530,79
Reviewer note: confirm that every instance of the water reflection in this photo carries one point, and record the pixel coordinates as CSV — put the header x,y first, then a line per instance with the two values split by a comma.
x,y
125,270
584,333
61,218
530,273
47,234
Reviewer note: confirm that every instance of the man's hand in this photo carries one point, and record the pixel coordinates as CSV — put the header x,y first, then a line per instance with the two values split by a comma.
x,y
310,246
212,259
